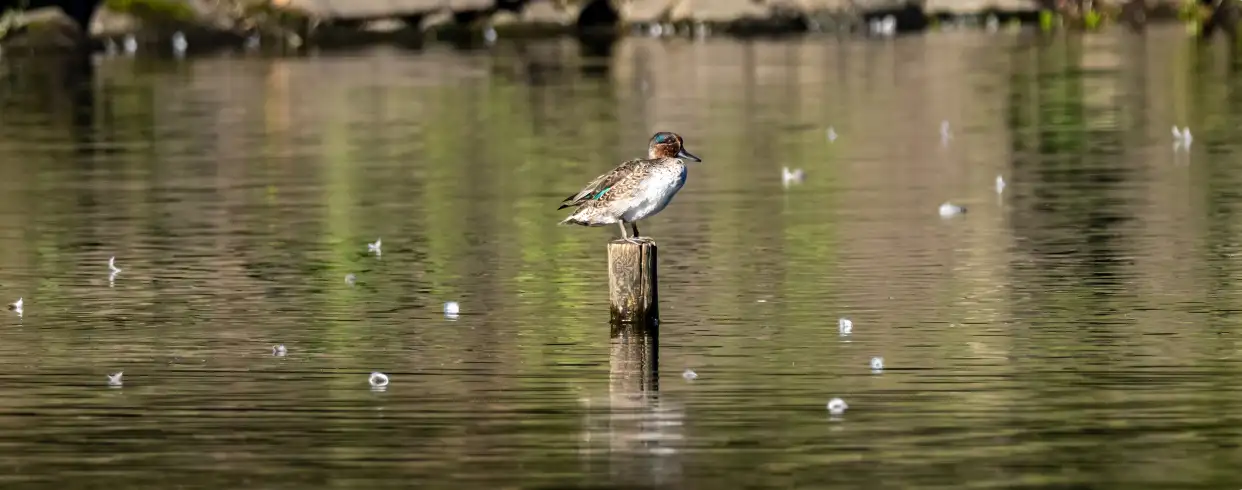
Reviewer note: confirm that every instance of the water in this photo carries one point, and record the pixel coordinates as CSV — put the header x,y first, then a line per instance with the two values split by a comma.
x,y
1077,331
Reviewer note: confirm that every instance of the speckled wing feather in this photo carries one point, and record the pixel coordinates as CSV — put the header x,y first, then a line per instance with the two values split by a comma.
x,y
601,184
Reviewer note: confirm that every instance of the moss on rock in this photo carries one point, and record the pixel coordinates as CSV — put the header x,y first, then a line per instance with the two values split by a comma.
x,y
154,10
40,31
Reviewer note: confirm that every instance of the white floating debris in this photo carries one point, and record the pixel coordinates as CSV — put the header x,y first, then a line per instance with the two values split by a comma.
x,y
794,176
115,379
877,363
949,209
885,26
350,279
946,134
1182,138
279,350
1000,184
378,379
689,375
837,406
451,309
375,247
701,30
179,44
845,326
489,35
832,134
112,265
253,41
130,44
889,25
17,306
992,24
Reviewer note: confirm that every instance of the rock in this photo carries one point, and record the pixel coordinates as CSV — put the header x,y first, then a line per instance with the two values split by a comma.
x,y
464,5
718,11
109,23
548,13
537,13
643,11
536,19
41,30
739,16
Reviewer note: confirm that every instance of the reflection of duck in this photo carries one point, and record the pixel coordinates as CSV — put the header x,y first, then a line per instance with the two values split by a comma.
x,y
633,190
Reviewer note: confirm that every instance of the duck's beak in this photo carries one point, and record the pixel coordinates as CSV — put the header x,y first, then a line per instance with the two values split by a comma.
x,y
685,154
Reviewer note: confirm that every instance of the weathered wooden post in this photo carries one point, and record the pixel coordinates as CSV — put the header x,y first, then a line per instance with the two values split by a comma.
x,y
632,293
633,285
634,360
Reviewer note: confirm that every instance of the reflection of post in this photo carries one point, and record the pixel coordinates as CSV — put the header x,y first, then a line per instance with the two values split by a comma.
x,y
642,436
642,432
634,363
633,284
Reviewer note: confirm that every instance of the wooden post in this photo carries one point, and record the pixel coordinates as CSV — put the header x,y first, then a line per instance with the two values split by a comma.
x,y
633,287
634,367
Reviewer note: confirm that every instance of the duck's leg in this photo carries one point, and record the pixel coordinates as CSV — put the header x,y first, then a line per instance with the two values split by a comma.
x,y
625,232
635,237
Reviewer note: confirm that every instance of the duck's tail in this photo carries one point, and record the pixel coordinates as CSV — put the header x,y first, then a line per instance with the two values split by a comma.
x,y
583,216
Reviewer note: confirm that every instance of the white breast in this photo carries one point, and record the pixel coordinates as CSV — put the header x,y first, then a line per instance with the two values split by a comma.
x,y
658,191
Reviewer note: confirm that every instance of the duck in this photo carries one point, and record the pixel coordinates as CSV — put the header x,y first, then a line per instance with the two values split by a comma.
x,y
634,190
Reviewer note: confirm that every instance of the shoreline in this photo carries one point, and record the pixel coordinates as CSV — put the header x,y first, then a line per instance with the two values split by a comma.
x,y
290,28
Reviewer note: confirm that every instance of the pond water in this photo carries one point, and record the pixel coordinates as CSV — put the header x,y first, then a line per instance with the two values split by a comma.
x,y
1078,330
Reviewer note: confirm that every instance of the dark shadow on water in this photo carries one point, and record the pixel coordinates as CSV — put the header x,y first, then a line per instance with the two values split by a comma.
x,y
61,86
596,50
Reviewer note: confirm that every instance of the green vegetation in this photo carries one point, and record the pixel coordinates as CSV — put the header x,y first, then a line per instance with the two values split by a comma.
x,y
153,9
8,22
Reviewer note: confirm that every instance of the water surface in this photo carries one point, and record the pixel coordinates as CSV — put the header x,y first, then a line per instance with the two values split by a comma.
x,y
1077,331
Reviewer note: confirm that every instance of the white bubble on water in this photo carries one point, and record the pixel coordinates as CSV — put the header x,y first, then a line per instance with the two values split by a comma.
x,y
837,406
949,209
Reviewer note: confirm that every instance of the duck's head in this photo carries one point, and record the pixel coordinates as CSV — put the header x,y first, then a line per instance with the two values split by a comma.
x,y
668,145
